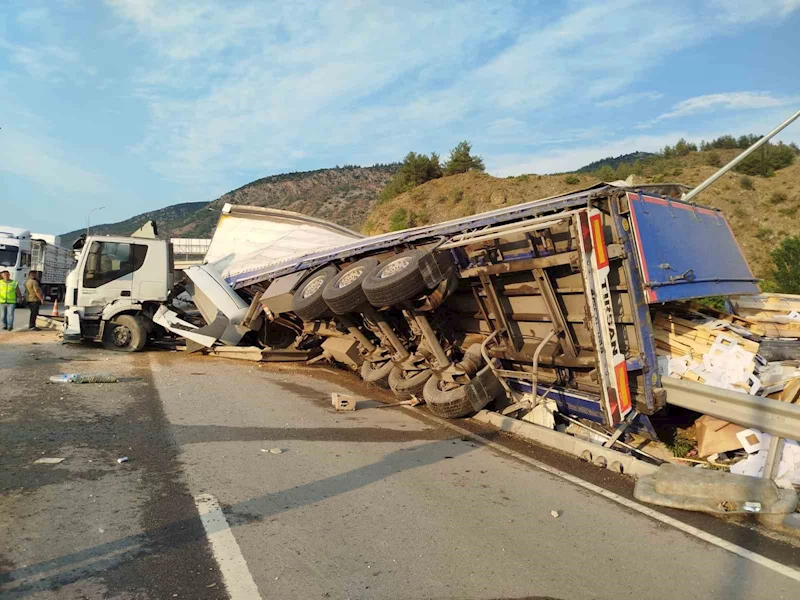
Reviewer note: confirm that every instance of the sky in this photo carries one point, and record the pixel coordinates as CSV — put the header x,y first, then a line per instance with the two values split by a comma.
x,y
134,105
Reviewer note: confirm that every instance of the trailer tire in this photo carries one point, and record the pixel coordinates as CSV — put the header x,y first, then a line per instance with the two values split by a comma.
x,y
307,302
125,333
343,293
396,279
376,373
406,387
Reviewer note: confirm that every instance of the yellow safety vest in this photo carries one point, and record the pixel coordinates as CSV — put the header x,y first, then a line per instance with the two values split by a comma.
x,y
8,292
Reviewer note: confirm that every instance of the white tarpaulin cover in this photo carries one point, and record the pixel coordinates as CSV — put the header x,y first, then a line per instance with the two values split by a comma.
x,y
249,238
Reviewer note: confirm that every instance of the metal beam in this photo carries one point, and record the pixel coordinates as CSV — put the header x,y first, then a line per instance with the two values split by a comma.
x,y
524,264
556,315
772,416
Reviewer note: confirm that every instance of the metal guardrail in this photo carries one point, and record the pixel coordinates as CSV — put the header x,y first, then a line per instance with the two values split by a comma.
x,y
772,416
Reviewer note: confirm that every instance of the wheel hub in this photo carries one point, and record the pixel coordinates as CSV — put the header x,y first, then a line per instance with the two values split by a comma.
x,y
394,267
122,336
313,286
350,277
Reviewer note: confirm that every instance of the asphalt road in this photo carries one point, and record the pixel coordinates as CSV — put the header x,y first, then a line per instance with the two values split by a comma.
x,y
377,503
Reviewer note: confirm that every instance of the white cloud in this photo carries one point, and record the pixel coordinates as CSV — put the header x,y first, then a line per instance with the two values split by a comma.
x,y
628,99
40,161
726,101
251,85
46,62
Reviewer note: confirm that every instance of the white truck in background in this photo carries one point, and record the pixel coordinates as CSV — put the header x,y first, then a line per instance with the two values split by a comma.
x,y
22,252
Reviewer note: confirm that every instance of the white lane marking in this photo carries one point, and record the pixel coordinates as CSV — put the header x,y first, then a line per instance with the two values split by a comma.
x,y
789,572
226,551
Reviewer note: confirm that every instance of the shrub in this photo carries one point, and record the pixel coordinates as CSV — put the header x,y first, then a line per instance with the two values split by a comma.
x,y
787,265
606,173
713,159
715,302
746,182
399,220
764,233
523,178
457,195
788,212
740,213
778,198
572,179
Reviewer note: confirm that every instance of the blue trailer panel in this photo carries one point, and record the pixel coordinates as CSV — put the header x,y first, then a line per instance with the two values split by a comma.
x,y
686,251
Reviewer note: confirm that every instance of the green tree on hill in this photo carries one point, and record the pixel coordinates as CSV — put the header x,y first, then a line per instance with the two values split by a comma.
x,y
415,170
461,160
767,159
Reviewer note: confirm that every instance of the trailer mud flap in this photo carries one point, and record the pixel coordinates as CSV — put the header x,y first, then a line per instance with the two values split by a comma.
x,y
483,388
435,267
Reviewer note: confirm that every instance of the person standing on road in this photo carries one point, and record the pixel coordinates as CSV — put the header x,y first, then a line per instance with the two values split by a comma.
x,y
9,294
34,298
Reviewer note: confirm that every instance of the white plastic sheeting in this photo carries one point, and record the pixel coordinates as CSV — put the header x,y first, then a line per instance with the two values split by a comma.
x,y
249,238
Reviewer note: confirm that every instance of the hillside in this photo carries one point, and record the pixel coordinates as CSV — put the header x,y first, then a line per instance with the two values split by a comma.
x,y
344,195
614,161
760,217
167,218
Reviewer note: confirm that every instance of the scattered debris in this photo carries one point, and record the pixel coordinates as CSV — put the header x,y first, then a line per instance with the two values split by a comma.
x,y
275,451
777,314
756,444
48,461
555,513
123,459
715,436
342,402
83,378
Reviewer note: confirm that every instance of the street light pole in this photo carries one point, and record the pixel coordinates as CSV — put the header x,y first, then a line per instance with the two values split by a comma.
x,y
89,217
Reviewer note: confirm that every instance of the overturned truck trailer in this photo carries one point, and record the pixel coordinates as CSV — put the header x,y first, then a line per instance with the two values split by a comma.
x,y
554,297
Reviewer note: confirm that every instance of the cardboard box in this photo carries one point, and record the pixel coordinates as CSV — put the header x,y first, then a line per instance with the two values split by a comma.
x,y
715,435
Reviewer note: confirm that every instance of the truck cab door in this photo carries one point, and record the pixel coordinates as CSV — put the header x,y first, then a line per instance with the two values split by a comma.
x,y
107,273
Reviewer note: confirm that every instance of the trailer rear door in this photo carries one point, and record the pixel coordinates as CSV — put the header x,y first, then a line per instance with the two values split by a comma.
x,y
686,251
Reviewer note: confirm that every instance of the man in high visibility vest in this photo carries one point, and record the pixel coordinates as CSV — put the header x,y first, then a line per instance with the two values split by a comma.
x,y
9,294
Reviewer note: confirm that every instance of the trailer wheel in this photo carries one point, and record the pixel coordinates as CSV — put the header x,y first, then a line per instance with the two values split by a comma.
x,y
308,303
125,333
343,293
405,385
377,373
396,279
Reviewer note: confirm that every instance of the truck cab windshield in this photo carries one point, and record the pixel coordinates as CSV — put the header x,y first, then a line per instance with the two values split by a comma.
x,y
8,256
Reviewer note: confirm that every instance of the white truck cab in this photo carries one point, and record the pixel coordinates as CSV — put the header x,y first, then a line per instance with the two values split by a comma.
x,y
116,287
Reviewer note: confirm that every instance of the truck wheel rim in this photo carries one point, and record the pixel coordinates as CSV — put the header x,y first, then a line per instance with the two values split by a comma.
x,y
350,277
122,336
394,267
313,286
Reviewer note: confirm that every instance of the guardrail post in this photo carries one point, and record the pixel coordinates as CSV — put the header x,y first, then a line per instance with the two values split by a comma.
x,y
773,457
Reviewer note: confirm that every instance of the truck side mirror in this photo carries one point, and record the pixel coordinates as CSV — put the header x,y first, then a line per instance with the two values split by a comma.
x,y
92,263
